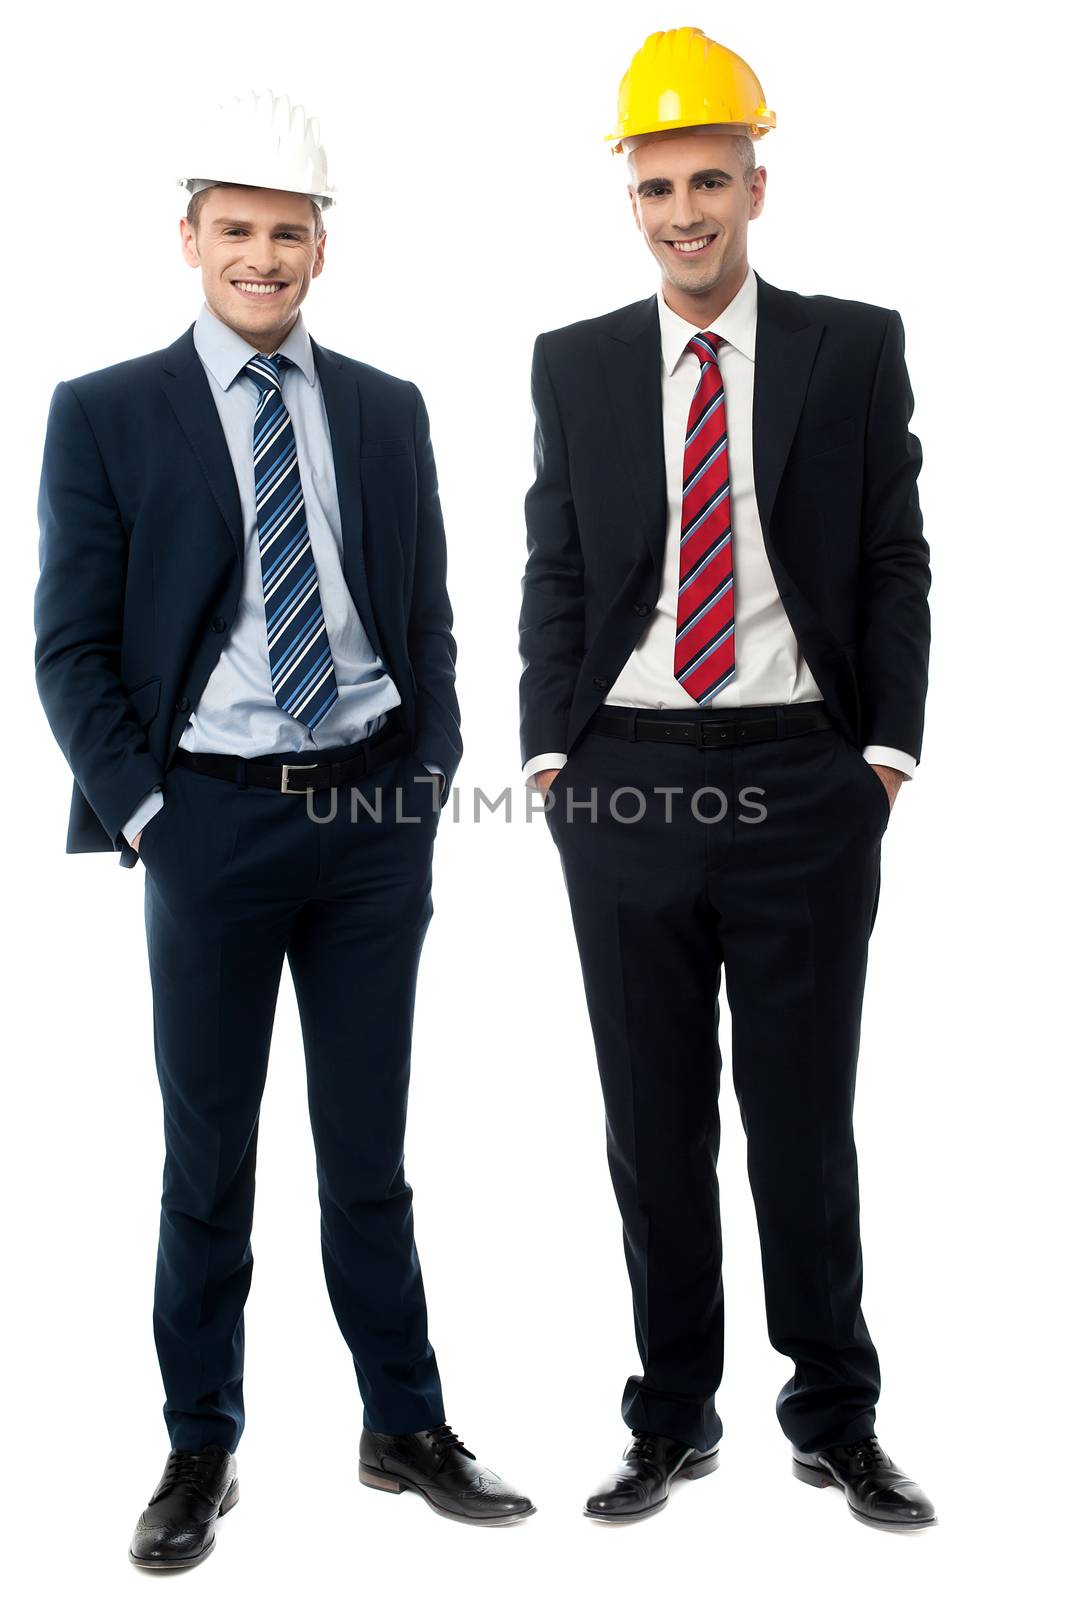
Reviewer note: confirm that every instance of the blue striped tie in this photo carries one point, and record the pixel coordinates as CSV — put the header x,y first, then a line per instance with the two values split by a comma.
x,y
301,663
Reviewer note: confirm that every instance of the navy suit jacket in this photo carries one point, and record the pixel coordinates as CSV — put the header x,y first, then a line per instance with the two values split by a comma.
x,y
835,469
142,551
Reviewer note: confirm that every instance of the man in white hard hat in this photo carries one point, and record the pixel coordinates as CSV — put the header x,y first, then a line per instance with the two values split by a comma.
x,y
242,601
725,636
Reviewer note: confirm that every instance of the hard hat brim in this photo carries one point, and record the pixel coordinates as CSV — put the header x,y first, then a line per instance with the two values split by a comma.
x,y
756,130
196,185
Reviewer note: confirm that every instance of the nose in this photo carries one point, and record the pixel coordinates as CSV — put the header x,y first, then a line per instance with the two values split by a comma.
x,y
685,215
262,257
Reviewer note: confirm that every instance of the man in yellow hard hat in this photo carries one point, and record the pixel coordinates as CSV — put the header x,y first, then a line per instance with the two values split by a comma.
x,y
243,602
725,636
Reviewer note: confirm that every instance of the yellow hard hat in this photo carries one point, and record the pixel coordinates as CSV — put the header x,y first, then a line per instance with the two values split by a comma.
x,y
682,79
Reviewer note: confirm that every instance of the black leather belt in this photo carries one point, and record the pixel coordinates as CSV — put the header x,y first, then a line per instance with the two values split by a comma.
x,y
344,766
711,732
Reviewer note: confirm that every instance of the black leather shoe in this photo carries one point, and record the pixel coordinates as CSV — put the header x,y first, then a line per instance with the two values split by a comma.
x,y
176,1529
877,1491
640,1486
444,1472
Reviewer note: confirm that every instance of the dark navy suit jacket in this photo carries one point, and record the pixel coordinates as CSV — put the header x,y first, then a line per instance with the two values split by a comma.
x,y
835,469
142,550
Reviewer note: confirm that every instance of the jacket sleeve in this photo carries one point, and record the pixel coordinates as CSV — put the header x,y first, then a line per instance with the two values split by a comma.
x,y
78,617
895,571
551,622
431,643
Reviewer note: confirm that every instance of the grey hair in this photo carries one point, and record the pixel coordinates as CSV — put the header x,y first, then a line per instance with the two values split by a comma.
x,y
743,145
743,148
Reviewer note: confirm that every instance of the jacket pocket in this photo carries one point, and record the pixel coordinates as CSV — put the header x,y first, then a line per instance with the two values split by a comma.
x,y
384,447
145,700
817,441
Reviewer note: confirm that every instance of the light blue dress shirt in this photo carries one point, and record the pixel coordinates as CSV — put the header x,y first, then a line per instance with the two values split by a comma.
x,y
237,713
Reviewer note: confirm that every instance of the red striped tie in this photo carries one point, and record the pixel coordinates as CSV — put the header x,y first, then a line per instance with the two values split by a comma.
x,y
704,658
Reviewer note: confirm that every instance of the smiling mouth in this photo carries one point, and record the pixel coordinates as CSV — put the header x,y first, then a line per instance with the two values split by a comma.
x,y
257,291
691,247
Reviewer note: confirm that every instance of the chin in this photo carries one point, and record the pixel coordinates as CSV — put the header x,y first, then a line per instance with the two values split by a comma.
x,y
692,285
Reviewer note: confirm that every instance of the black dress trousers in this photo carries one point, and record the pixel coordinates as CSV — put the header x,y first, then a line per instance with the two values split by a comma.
x,y
236,880
764,860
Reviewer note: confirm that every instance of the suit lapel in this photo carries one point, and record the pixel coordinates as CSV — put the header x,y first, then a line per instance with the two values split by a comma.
x,y
340,390
188,390
631,353
786,343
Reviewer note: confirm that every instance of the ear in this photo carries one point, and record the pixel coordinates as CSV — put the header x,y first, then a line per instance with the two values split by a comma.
x,y
188,243
319,256
634,202
758,191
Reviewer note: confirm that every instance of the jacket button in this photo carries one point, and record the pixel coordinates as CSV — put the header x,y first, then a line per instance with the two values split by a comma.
x,y
182,704
600,683
218,624
641,608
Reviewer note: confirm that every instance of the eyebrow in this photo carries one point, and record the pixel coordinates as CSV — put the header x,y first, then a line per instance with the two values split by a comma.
x,y
238,222
696,177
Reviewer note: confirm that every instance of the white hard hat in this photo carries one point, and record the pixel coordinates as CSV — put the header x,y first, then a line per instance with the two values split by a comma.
x,y
262,141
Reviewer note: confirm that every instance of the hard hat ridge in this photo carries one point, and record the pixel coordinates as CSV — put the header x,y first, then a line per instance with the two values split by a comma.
x,y
264,142
679,78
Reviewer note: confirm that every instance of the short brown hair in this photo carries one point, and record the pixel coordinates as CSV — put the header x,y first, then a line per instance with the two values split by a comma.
x,y
195,206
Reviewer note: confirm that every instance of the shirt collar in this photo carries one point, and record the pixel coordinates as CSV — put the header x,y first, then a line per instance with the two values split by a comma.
x,y
225,354
737,324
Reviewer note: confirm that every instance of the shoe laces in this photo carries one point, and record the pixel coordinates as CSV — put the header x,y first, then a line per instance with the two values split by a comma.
x,y
867,1454
183,1467
643,1445
442,1438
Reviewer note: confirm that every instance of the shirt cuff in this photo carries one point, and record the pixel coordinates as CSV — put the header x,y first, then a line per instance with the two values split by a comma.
x,y
884,756
438,772
544,763
144,813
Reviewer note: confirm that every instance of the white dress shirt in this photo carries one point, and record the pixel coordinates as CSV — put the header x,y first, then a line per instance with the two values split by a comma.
x,y
770,668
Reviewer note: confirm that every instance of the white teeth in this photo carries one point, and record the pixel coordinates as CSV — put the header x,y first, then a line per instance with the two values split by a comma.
x,y
260,288
690,245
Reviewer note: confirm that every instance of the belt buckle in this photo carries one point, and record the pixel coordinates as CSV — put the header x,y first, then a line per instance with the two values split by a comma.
x,y
725,730
307,766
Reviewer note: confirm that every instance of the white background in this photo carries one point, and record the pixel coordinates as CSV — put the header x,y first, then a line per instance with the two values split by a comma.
x,y
915,165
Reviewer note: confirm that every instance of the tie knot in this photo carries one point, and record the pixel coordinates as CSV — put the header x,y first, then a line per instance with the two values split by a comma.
x,y
265,371
706,345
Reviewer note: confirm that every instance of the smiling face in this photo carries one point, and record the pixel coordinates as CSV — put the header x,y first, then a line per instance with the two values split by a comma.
x,y
257,253
690,202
